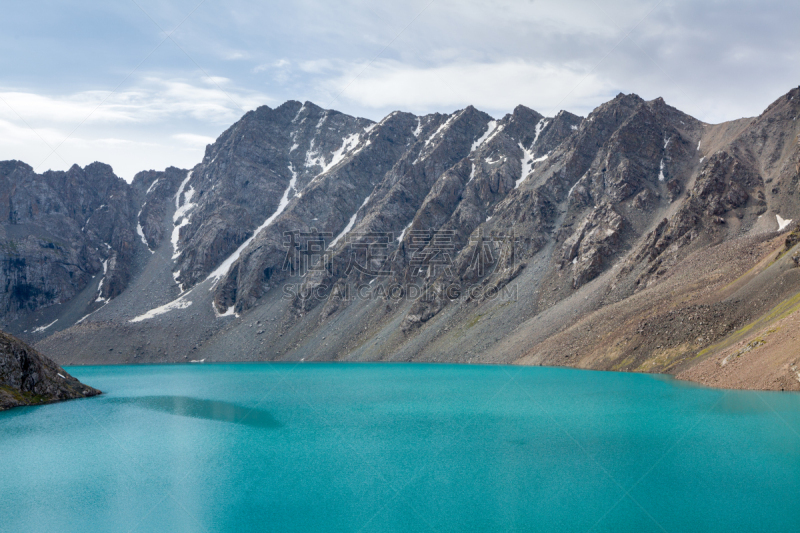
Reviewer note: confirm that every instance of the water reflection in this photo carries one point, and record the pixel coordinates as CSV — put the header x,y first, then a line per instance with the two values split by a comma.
x,y
204,409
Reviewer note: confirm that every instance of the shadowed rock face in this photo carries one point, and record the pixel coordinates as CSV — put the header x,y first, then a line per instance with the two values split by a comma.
x,y
158,190
60,229
29,378
576,215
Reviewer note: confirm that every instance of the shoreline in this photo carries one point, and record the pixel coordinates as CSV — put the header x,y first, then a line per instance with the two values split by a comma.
x,y
679,377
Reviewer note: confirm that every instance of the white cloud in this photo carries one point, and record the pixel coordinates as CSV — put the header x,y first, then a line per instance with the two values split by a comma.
x,y
152,100
156,123
234,55
274,65
716,61
491,86
318,66
191,139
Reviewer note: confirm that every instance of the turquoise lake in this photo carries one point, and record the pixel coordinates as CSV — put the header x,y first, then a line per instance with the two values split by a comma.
x,y
399,447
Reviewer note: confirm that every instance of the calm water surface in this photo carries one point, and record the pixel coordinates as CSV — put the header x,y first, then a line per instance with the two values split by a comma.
x,y
362,448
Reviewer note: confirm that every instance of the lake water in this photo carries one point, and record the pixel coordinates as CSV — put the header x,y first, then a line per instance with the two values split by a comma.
x,y
329,447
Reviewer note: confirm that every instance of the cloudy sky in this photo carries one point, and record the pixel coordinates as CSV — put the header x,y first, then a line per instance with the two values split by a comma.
x,y
144,84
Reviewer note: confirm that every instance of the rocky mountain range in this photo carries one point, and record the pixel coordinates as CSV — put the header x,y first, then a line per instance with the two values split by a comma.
x,y
637,238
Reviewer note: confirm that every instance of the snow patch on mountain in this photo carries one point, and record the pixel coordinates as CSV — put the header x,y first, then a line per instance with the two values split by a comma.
x,y
299,112
230,311
418,129
574,185
183,206
492,125
180,303
403,233
443,127
526,163
348,143
42,328
150,188
100,286
494,134
313,158
223,268
782,222
140,230
541,125
350,224
181,189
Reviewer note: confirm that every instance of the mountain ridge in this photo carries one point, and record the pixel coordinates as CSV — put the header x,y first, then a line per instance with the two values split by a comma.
x,y
569,215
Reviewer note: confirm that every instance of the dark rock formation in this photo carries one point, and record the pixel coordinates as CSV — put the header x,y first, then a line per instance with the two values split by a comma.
x,y
793,238
158,190
29,378
60,229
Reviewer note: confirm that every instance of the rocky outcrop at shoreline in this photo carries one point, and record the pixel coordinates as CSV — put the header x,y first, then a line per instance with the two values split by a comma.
x,y
29,378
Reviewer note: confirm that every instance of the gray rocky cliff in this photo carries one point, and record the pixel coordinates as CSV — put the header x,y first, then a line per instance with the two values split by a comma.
x,y
157,190
29,378
58,230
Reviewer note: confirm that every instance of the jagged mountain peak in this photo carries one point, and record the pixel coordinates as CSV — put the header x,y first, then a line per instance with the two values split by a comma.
x,y
790,100
620,106
145,178
676,118
627,98
7,167
523,112
294,105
